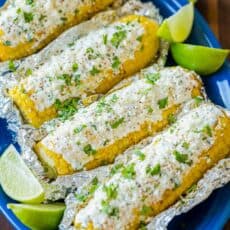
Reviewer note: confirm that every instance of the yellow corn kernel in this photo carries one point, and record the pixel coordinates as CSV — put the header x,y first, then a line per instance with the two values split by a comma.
x,y
220,149
29,47
142,57
108,153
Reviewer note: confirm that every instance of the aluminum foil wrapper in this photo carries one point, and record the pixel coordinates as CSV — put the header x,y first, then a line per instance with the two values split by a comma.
x,y
25,135
215,178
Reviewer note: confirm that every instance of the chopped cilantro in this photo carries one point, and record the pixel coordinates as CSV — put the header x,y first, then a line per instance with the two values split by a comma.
x,y
163,103
106,142
105,39
63,19
182,158
42,17
129,172
116,168
66,78
75,67
28,17
207,130
156,170
140,154
108,209
152,77
67,108
79,129
192,188
7,43
116,63
140,38
171,119
119,27
118,37
198,100
78,143
146,210
76,78
91,53
114,98
11,66
185,145
150,110
29,2
111,191
71,44
28,72
89,50
94,71
94,185
144,91
94,126
81,197
117,123
89,150
142,226
76,11
19,10
103,105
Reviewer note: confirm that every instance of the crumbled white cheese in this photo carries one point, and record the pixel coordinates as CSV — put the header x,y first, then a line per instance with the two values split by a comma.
x,y
31,20
170,156
119,114
80,69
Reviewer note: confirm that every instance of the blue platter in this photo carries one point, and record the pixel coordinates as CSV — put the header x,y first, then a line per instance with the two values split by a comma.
x,y
215,211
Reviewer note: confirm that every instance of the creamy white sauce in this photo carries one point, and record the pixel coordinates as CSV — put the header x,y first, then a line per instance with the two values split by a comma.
x,y
144,189
91,55
126,109
26,20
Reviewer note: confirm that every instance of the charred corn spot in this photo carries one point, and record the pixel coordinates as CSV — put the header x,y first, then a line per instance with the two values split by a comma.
x,y
141,58
29,47
28,108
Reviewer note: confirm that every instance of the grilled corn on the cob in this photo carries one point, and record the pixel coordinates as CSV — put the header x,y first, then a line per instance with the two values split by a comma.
x,y
96,134
160,173
93,65
27,26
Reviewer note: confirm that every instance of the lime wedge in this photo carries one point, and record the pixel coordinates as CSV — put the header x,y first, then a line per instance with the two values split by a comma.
x,y
203,60
17,180
178,27
39,217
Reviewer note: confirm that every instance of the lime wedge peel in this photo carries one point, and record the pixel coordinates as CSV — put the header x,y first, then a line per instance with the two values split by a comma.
x,y
178,27
16,179
201,59
39,217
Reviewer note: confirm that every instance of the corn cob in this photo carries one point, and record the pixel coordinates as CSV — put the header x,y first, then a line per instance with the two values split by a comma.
x,y
27,26
157,175
96,134
92,66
